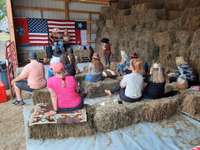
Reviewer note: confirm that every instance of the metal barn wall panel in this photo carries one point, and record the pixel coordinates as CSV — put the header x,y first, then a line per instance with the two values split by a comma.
x,y
95,17
27,13
94,27
40,3
82,6
93,37
53,15
78,16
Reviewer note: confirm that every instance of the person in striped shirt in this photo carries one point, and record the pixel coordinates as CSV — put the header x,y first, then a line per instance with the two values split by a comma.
x,y
183,71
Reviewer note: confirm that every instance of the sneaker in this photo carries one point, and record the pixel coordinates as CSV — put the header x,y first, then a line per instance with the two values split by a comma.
x,y
16,102
22,102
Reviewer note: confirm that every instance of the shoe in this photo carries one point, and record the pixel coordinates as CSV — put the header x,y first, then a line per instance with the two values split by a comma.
x,y
16,102
22,102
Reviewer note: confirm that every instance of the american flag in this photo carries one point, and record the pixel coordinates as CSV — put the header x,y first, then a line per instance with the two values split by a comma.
x,y
38,31
61,25
35,31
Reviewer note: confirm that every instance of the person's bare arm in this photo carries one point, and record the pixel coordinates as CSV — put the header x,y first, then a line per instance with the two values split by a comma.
x,y
53,99
22,76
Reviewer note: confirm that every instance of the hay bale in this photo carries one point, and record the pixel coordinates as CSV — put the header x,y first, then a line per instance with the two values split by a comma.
x,y
41,96
97,89
190,104
157,110
57,131
26,95
114,116
110,116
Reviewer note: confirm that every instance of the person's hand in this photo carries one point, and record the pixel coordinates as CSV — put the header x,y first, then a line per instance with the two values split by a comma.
x,y
50,113
13,82
171,74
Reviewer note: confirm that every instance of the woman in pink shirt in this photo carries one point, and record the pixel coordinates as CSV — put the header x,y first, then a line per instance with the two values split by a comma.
x,y
32,77
63,90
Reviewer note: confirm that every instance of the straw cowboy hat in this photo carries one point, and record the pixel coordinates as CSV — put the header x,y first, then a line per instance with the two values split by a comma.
x,y
180,61
96,56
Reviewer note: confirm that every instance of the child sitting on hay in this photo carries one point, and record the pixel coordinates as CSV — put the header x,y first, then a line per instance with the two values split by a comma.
x,y
95,69
63,90
122,67
131,85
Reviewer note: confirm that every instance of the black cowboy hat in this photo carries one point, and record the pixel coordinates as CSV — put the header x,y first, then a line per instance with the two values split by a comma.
x,y
105,40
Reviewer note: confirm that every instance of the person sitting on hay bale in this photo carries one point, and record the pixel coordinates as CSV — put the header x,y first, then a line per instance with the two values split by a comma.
x,y
68,64
145,74
156,86
131,85
122,67
63,90
183,76
95,69
31,78
55,59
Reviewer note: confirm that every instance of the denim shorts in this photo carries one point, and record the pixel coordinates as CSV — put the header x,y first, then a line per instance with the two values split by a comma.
x,y
23,85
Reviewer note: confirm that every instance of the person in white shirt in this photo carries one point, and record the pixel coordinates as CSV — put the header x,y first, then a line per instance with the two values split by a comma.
x,y
131,86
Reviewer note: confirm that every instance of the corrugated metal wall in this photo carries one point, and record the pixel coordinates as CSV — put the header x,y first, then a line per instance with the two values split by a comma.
x,y
39,4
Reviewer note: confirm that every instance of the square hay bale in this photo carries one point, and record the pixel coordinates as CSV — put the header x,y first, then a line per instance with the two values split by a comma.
x,y
26,95
190,104
114,116
96,89
41,96
58,131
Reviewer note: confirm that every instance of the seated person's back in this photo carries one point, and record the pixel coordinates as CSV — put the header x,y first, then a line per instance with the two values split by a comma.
x,y
63,89
35,74
156,86
133,83
95,69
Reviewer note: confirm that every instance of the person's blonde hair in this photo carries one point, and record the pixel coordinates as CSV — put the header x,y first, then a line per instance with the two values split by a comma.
x,y
97,65
137,65
157,73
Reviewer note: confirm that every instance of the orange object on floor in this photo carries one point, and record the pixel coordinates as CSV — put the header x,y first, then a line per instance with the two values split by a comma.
x,y
3,96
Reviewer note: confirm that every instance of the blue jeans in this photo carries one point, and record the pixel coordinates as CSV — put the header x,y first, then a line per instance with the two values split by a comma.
x,y
23,85
107,59
93,78
121,68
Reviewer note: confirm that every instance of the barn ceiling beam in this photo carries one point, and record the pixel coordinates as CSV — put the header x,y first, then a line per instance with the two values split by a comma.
x,y
39,8
99,2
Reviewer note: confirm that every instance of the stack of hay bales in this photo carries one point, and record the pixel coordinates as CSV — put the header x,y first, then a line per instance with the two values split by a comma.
x,y
110,116
114,116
